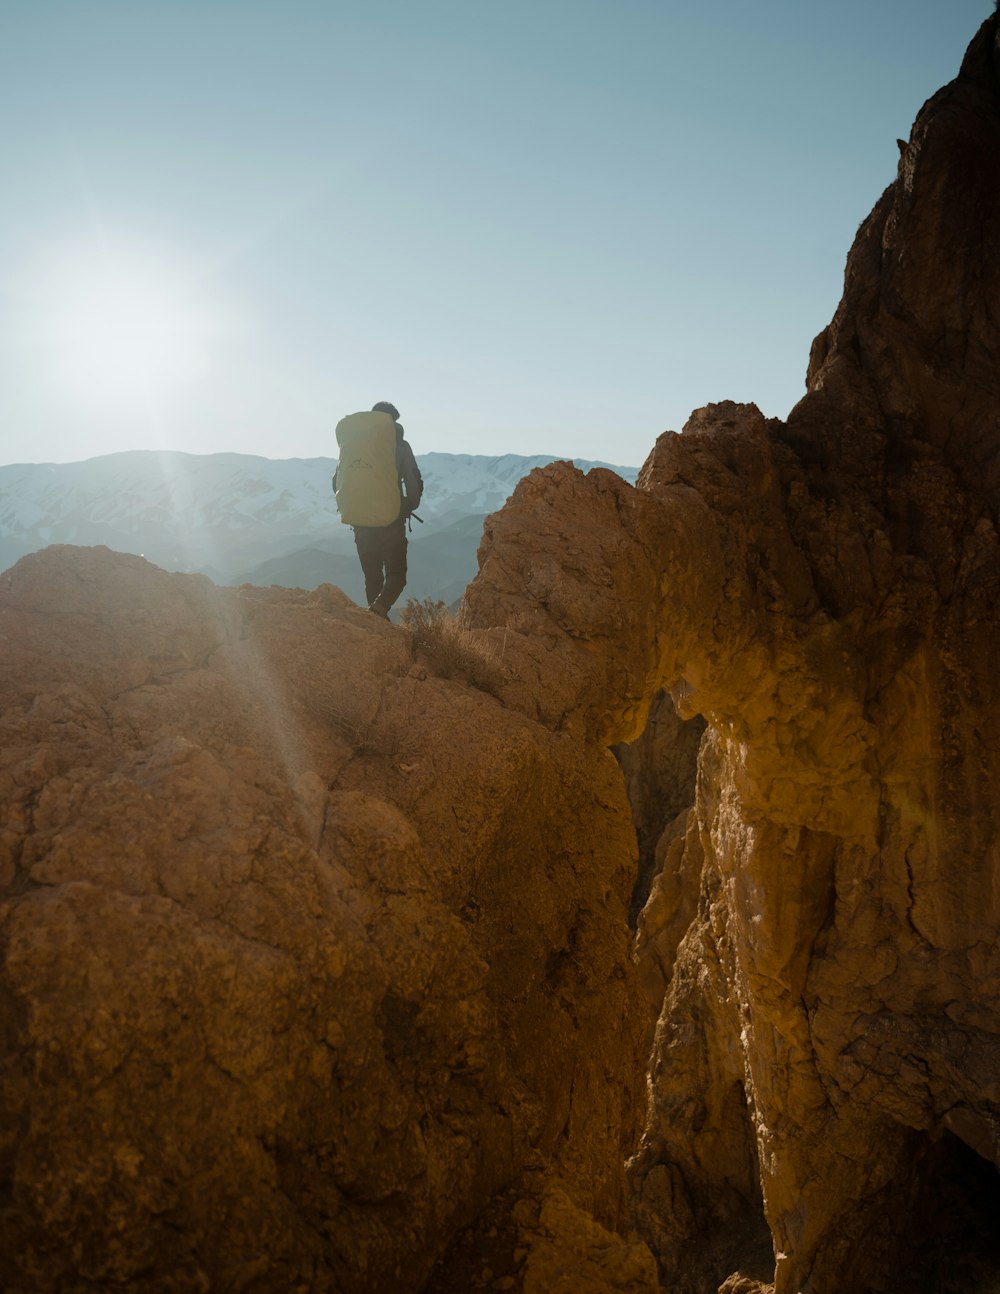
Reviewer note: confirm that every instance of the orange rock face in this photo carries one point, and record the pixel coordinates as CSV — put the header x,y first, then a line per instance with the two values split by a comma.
x,y
307,953
825,1083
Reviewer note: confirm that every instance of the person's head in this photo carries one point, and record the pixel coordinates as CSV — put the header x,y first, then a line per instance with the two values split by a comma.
x,y
384,406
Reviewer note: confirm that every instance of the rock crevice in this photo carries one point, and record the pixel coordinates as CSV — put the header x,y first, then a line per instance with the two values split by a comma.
x,y
824,592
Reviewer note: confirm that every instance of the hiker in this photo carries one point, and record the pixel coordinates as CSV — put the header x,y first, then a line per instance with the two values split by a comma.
x,y
378,488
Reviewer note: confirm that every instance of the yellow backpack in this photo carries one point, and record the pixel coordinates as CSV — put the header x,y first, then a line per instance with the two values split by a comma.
x,y
367,480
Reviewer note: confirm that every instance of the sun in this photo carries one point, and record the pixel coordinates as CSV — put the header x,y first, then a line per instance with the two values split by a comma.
x,y
122,324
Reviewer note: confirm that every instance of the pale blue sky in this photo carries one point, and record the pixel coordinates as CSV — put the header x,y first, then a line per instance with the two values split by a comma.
x,y
551,227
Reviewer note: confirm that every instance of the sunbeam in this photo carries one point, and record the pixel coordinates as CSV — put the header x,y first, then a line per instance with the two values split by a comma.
x,y
120,324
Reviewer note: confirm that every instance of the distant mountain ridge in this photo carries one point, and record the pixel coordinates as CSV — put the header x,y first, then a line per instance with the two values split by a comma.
x,y
240,518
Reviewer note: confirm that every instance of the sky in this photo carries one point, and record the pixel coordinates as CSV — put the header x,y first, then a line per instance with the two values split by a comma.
x,y
538,227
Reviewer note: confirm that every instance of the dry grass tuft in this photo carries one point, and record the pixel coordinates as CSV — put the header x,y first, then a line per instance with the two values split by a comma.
x,y
451,649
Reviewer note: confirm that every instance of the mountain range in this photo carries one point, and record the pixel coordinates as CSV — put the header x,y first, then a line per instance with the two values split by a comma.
x,y
240,518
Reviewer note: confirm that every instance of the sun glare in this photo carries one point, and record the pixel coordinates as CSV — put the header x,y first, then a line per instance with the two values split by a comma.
x,y
121,326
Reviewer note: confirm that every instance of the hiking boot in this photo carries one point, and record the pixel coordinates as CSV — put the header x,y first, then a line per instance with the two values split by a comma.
x,y
377,610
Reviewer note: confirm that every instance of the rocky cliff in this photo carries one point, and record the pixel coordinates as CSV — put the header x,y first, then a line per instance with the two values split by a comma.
x,y
825,1084
317,972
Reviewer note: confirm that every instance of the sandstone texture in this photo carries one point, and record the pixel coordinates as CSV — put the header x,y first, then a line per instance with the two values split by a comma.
x,y
821,947
308,954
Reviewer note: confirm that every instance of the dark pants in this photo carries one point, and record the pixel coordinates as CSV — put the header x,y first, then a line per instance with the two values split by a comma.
x,y
382,552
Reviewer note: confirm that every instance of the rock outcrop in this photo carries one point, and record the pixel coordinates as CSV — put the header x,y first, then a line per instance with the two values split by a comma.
x,y
825,1084
308,954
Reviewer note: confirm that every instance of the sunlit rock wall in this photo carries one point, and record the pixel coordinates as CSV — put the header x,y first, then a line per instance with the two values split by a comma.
x,y
825,1086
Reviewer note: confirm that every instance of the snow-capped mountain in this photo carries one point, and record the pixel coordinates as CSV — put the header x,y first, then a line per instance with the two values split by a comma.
x,y
238,517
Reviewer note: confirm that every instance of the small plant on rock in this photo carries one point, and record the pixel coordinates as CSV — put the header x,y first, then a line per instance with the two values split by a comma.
x,y
451,649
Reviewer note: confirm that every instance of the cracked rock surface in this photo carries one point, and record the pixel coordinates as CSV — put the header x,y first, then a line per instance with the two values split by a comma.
x,y
825,1084
307,954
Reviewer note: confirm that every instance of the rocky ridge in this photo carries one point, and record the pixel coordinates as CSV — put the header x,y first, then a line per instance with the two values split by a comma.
x,y
316,964
308,953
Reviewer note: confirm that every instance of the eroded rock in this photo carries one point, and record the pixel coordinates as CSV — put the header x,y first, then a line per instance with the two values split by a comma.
x,y
306,952
825,593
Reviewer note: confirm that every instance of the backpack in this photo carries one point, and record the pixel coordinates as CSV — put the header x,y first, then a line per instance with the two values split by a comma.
x,y
367,480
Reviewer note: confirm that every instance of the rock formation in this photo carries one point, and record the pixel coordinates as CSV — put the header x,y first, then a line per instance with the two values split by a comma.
x,y
316,971
825,1084
308,954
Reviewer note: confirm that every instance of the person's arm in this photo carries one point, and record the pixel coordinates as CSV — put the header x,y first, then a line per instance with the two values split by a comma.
x,y
413,484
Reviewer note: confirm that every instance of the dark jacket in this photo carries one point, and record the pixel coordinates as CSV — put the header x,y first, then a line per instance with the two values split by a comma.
x,y
409,474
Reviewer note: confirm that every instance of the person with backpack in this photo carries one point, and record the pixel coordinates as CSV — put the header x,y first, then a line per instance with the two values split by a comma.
x,y
378,487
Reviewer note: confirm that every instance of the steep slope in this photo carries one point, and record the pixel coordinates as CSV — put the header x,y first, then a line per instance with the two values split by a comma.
x,y
824,1092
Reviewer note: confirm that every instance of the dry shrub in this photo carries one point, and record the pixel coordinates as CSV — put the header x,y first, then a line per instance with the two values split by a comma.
x,y
451,649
